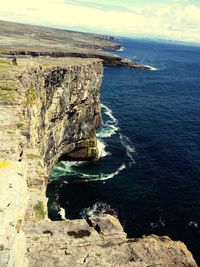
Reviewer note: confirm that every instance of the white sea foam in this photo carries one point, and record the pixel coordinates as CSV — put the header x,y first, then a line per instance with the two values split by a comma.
x,y
107,131
109,113
159,224
101,176
102,149
65,168
111,175
62,214
193,224
151,67
128,145
121,49
67,165
98,209
68,168
110,126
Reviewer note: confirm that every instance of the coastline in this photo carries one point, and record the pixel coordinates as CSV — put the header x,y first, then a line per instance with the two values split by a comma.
x,y
45,105
42,41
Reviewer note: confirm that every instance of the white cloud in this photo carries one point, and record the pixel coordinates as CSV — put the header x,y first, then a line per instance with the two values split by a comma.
x,y
175,19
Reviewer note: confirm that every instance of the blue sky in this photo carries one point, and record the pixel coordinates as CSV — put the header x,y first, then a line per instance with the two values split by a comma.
x,y
165,19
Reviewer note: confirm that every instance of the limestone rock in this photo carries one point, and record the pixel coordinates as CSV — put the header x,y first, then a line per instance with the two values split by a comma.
x,y
81,243
47,107
13,202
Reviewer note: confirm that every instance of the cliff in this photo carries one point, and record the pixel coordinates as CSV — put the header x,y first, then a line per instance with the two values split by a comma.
x,y
50,108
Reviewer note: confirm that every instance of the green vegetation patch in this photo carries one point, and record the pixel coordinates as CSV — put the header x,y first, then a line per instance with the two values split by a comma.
x,y
7,85
4,63
7,96
19,125
39,211
92,147
32,96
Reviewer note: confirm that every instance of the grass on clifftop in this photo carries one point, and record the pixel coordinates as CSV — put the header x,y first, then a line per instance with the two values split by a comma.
x,y
39,211
19,125
31,96
8,85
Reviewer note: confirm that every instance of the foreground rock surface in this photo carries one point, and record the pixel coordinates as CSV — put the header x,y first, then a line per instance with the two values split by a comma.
x,y
99,241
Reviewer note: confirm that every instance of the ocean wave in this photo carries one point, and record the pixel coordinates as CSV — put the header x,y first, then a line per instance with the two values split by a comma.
x,y
101,176
64,168
110,128
80,171
109,113
193,224
121,49
73,168
107,131
98,209
151,67
110,125
159,224
70,169
102,149
128,145
62,214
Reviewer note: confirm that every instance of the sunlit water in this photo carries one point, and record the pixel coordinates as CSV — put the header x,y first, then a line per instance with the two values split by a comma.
x,y
149,171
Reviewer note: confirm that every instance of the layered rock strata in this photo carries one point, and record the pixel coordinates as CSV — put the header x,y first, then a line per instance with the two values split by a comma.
x,y
24,40
50,108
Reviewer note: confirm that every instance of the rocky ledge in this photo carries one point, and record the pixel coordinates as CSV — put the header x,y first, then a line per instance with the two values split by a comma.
x,y
50,108
99,241
22,40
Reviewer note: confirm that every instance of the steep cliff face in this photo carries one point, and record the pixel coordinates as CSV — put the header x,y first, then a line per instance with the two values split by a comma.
x,y
50,108
64,108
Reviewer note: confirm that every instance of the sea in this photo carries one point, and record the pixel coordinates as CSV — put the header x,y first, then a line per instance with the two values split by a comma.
x,y
149,171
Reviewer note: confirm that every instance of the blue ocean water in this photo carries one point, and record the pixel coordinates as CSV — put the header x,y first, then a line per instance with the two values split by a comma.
x,y
149,172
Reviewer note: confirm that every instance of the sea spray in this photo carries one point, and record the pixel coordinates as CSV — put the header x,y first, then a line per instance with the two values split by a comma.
x,y
98,209
102,149
128,145
121,49
62,214
110,124
101,176
151,67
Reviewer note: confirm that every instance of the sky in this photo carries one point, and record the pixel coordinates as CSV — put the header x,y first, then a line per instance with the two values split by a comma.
x,y
165,19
